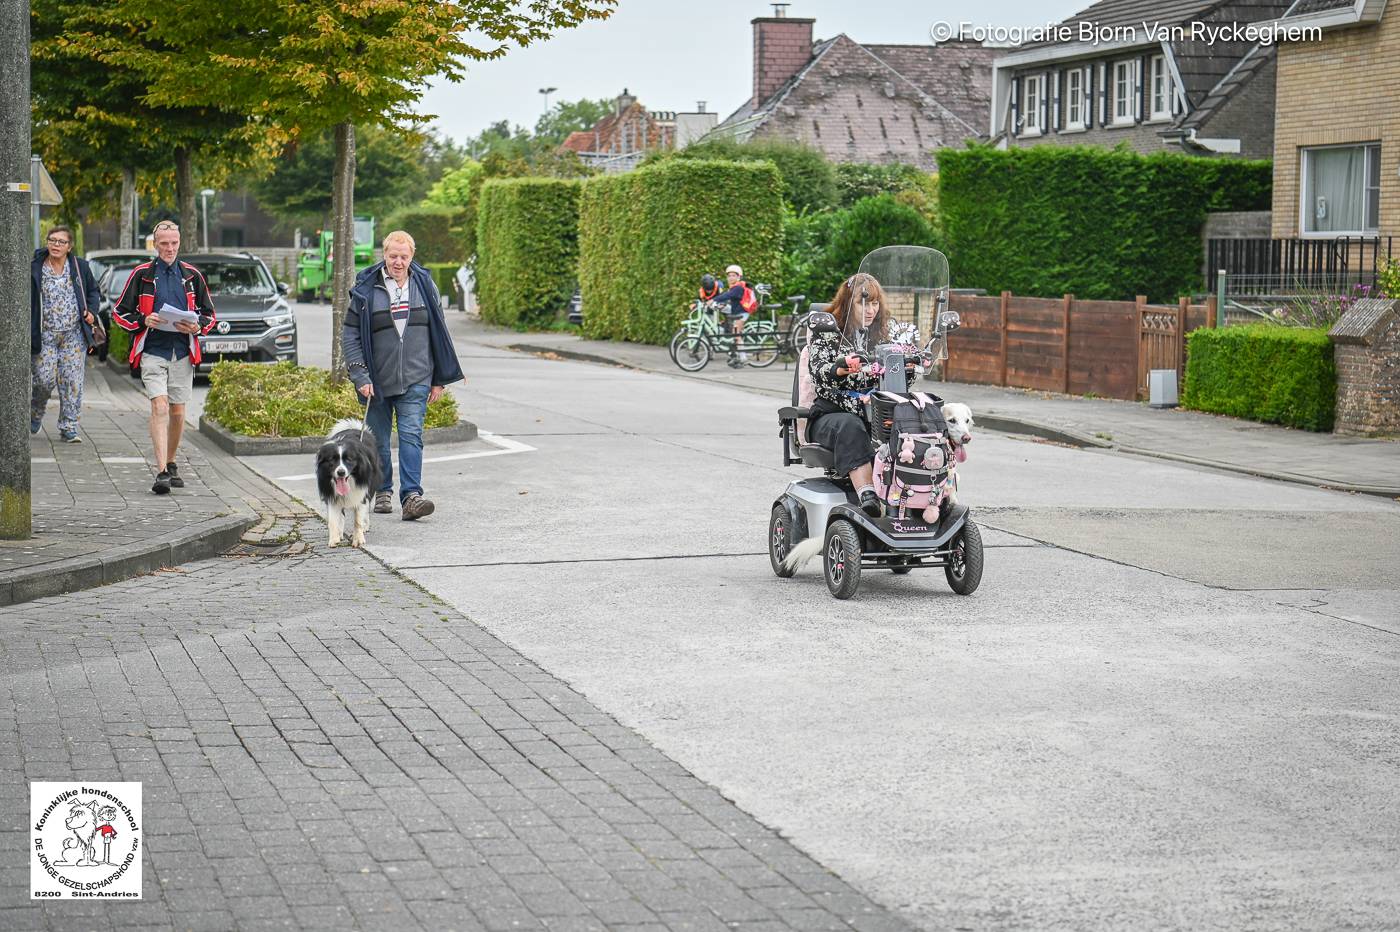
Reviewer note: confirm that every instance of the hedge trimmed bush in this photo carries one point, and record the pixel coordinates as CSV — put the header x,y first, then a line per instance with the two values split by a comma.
x,y
286,400
444,276
527,250
1103,224
821,250
1264,372
808,179
646,237
118,343
436,231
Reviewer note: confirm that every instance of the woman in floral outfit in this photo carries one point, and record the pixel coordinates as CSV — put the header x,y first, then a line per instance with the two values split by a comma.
x,y
62,307
842,380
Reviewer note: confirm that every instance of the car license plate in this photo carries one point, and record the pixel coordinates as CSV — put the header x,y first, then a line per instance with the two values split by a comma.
x,y
225,346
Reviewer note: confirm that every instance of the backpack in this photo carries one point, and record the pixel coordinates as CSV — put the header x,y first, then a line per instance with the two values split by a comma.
x,y
912,467
748,300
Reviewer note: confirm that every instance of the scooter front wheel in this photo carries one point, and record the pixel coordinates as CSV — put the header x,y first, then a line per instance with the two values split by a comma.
x,y
779,542
841,562
964,568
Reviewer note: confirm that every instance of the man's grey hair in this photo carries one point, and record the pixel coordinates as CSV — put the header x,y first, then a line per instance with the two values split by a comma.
x,y
400,236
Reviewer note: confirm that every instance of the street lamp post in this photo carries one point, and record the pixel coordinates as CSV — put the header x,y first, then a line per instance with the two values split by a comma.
x,y
204,207
15,195
546,91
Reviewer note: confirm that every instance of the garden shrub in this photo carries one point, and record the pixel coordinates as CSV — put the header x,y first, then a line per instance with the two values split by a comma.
x,y
444,276
646,237
286,400
527,250
436,232
1263,372
821,250
1104,224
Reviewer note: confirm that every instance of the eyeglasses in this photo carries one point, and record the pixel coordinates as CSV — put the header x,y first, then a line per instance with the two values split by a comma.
x,y
167,225
58,241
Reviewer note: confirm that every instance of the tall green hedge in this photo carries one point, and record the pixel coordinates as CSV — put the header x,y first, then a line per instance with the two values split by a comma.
x,y
1097,223
809,181
821,250
527,250
436,231
646,237
1264,372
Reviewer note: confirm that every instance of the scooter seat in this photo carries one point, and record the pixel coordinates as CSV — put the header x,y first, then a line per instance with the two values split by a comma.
x,y
816,456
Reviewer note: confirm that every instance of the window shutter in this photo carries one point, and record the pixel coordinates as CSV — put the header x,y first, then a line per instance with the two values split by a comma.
x,y
1103,93
1055,106
1014,128
1141,89
1086,109
1045,102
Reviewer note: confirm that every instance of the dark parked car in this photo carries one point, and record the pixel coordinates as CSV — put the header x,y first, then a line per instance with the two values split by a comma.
x,y
256,324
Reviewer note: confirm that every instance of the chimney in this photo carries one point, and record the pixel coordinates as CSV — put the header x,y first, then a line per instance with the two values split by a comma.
x,y
782,45
624,100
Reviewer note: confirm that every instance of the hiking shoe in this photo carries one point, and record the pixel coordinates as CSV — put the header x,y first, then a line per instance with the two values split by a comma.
x,y
69,436
383,503
415,507
870,503
162,483
35,425
175,481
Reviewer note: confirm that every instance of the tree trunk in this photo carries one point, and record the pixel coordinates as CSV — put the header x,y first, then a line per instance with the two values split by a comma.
x,y
185,200
15,251
128,213
343,247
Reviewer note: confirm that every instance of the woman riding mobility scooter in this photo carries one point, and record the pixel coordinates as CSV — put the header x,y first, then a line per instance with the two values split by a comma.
x,y
827,513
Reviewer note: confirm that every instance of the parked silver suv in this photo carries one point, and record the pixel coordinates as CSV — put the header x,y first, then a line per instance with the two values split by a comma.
x,y
255,322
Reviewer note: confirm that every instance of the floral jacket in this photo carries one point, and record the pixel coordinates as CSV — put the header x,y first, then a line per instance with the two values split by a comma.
x,y
828,351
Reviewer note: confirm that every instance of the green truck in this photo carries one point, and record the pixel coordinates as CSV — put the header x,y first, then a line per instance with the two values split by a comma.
x,y
314,266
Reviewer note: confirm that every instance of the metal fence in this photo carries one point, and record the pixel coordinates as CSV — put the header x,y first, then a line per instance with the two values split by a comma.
x,y
1285,266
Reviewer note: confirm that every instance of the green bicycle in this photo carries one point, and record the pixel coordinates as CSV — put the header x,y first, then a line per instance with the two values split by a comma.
x,y
702,335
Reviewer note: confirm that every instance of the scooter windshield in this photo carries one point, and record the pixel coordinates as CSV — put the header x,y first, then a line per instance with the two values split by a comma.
x,y
915,282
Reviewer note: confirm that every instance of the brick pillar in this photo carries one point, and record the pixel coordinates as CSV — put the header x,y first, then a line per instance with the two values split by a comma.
x,y
781,46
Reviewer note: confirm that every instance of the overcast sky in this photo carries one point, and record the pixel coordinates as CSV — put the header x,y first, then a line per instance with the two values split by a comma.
x,y
673,53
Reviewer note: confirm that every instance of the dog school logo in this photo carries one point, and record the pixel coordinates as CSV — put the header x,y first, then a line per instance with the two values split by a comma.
x,y
86,840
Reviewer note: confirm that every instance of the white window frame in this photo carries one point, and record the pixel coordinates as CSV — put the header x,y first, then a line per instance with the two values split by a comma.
x,y
1163,94
1305,199
1075,99
1032,97
1127,103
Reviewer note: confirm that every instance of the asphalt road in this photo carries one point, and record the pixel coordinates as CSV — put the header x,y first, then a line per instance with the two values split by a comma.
x,y
1173,703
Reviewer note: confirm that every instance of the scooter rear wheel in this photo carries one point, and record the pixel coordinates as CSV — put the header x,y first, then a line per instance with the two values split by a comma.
x,y
964,569
841,560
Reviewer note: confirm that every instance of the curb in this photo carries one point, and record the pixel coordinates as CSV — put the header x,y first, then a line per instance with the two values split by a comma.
x,y
571,354
201,541
1016,425
240,445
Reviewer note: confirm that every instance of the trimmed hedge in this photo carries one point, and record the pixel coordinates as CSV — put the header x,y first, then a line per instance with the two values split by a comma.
x,y
821,250
444,276
436,232
646,237
1104,224
118,342
809,181
285,400
527,250
1264,372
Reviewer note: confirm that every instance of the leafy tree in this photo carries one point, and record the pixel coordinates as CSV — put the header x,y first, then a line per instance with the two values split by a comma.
x,y
302,68
568,117
454,188
822,249
388,168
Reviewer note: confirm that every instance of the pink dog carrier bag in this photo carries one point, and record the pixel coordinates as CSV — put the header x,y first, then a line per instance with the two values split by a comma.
x,y
912,464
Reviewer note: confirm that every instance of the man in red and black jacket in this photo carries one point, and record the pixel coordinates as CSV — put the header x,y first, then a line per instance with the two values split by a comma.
x,y
165,358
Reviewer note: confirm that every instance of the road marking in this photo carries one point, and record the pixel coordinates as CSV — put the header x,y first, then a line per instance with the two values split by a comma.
x,y
504,445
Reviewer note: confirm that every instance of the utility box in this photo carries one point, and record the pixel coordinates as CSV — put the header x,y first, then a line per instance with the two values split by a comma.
x,y
1161,388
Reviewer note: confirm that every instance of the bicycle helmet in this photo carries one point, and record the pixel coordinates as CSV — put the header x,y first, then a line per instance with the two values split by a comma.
x,y
708,286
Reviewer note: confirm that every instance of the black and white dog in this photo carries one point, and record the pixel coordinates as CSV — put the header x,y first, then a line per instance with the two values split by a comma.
x,y
347,475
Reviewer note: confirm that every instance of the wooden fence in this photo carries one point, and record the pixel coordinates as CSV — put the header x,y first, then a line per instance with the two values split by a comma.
x,y
1068,345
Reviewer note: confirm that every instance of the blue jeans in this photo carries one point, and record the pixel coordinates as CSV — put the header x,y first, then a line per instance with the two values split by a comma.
x,y
409,410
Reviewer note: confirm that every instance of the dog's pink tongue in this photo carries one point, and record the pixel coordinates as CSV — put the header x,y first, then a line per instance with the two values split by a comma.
x,y
342,485
959,453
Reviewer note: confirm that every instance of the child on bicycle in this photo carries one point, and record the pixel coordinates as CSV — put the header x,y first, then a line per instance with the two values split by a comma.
x,y
742,301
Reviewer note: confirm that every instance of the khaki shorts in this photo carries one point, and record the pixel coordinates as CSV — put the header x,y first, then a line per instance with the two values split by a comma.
x,y
174,378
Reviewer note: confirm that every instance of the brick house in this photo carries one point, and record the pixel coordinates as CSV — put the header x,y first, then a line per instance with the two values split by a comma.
x,y
621,139
1148,76
879,104
1337,129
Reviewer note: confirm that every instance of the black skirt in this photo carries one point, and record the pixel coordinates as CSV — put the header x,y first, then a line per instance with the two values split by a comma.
x,y
845,435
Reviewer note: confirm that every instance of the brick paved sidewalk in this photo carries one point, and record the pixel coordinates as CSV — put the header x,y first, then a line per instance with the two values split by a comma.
x,y
322,745
95,518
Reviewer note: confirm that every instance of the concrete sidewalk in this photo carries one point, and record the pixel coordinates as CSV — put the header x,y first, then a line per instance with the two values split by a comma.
x,y
95,518
1344,463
